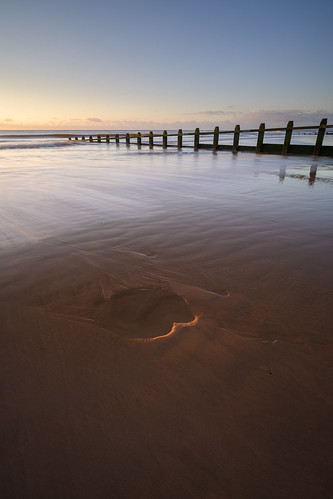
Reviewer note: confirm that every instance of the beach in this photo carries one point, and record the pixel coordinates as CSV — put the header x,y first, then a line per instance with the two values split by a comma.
x,y
166,324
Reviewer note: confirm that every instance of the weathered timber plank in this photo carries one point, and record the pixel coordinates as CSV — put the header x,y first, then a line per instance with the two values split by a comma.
x,y
236,139
320,137
196,138
216,138
151,139
180,138
287,137
260,139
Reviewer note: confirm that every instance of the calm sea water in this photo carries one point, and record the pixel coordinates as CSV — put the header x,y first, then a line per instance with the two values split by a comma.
x,y
50,186
188,201
59,138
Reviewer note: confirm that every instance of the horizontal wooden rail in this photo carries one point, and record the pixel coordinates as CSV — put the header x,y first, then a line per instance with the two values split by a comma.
x,y
261,147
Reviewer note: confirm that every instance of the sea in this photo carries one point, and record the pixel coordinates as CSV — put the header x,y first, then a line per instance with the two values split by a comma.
x,y
50,184
10,139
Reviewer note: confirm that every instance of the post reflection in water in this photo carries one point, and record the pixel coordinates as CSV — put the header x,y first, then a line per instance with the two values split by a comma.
x,y
312,175
282,172
313,172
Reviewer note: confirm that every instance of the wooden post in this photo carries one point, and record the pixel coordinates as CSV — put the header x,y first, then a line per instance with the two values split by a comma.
x,y
216,138
236,139
196,138
165,139
320,136
260,139
90,138
99,138
139,139
83,139
180,138
127,139
151,139
76,138
117,138
107,138
287,137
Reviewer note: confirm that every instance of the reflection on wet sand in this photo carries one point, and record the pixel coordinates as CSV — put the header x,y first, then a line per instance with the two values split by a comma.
x,y
282,172
166,328
313,172
312,177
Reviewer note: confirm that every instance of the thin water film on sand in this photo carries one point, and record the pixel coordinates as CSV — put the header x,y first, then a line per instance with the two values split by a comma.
x,y
166,324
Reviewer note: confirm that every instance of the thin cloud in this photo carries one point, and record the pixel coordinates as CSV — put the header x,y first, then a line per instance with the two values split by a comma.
x,y
209,113
281,117
96,120
227,121
252,119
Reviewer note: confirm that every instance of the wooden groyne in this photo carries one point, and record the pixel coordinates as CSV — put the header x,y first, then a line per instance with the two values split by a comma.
x,y
147,139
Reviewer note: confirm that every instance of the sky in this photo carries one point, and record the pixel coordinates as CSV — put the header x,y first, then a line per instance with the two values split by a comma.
x,y
146,64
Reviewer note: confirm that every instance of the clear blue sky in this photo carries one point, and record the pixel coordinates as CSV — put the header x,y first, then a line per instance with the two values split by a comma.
x,y
135,64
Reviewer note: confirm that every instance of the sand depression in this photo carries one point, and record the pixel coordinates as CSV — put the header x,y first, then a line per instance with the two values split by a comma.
x,y
143,314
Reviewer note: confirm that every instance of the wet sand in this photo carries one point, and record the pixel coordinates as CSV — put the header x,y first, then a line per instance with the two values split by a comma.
x,y
173,344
